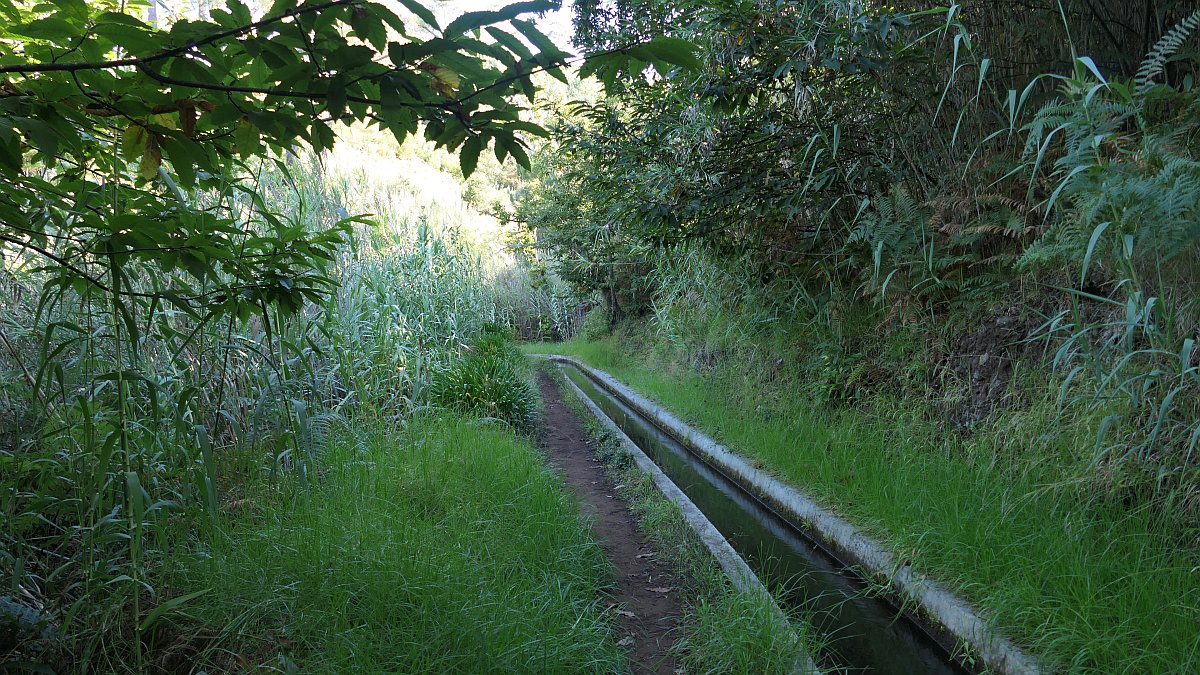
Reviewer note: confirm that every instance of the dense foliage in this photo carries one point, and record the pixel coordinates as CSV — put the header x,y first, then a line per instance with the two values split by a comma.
x,y
885,198
488,380
190,302
911,164
96,102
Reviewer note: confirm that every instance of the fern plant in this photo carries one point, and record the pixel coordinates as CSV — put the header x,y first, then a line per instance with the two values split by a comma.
x,y
1122,210
1123,165
1167,46
889,232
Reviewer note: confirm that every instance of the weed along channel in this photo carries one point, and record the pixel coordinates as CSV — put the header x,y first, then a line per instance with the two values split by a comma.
x,y
860,627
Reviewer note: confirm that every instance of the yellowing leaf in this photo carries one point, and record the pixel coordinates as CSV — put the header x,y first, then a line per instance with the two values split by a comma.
x,y
133,142
151,158
445,81
164,120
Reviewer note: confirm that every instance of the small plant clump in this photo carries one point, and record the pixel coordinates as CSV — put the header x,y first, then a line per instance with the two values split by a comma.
x,y
489,380
596,325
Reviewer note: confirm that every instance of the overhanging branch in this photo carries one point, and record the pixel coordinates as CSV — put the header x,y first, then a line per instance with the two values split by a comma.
x,y
33,68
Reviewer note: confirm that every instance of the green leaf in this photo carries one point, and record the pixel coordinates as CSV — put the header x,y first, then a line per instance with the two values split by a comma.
x,y
596,64
528,127
50,28
181,153
10,149
349,57
135,40
39,133
321,137
282,6
675,51
191,71
1091,65
539,39
335,96
121,18
76,9
509,41
402,54
247,138
241,13
169,605
473,20
388,17
1091,249
423,13
518,152
552,67
468,157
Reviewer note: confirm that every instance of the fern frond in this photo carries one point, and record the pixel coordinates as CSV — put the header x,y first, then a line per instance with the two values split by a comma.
x,y
1156,61
1011,232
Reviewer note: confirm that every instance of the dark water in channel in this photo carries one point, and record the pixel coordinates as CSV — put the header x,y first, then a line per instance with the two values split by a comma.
x,y
862,634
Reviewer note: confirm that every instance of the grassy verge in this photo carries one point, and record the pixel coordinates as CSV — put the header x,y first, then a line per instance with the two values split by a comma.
x,y
446,547
1004,515
724,630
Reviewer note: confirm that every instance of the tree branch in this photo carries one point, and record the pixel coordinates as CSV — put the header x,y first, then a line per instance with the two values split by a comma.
x,y
268,91
31,68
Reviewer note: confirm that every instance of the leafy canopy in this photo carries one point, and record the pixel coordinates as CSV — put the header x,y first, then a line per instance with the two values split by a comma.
x,y
111,129
106,121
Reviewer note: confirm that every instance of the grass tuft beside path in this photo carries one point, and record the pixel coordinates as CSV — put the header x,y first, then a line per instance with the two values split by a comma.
x,y
449,547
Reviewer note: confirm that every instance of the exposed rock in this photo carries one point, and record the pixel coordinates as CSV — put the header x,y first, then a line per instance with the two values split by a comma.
x,y
979,364
25,631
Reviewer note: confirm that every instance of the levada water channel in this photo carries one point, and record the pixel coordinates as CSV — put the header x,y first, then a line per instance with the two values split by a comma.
x,y
860,632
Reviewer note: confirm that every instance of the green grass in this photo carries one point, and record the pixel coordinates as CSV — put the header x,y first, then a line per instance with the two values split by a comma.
x,y
1005,516
723,630
448,547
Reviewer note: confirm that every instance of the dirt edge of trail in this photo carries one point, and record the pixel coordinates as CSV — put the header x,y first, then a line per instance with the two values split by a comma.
x,y
644,595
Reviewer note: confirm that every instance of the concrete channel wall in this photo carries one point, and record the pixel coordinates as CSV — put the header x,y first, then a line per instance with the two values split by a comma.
x,y
735,567
944,612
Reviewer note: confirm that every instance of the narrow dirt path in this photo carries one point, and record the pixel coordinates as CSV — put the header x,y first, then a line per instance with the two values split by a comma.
x,y
645,597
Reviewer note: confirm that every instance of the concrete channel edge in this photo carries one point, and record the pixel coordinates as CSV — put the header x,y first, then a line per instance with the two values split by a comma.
x,y
734,566
939,606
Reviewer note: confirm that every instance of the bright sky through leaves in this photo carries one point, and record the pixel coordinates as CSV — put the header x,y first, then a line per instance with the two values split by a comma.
x,y
556,25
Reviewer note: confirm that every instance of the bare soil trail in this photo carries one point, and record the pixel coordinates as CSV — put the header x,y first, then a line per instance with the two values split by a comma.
x,y
644,594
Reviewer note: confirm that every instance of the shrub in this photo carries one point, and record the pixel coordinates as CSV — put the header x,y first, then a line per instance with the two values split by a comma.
x,y
595,325
489,382
497,342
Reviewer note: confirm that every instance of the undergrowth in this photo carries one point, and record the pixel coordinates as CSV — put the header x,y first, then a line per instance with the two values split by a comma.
x,y
490,379
443,547
130,431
